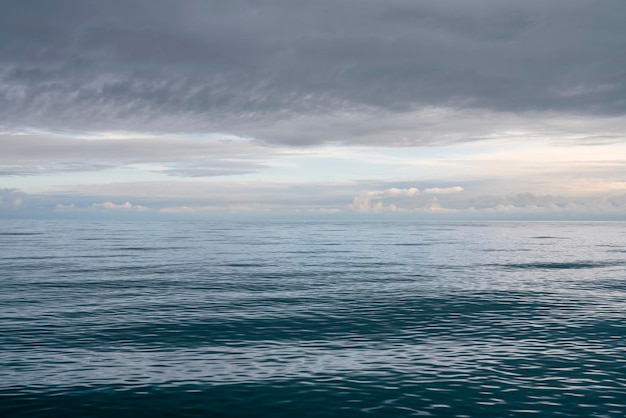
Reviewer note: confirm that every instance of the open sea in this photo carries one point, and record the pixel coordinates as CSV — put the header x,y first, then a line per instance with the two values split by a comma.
x,y
312,319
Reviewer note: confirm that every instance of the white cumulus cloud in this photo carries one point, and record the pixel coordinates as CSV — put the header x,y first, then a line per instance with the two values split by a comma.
x,y
123,206
446,190
392,199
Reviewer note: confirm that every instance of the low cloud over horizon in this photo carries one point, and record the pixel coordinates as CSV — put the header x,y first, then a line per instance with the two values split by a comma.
x,y
476,109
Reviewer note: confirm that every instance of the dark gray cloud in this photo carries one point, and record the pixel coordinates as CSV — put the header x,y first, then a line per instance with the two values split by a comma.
x,y
240,66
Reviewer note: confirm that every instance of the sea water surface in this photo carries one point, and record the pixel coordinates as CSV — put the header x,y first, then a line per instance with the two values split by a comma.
x,y
312,319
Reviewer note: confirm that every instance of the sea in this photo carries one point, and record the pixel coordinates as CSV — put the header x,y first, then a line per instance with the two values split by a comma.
x,y
312,319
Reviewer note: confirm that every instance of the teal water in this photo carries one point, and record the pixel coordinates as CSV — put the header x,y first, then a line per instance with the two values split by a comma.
x,y
294,319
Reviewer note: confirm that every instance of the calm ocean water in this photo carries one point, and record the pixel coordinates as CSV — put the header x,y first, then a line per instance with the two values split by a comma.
x,y
296,319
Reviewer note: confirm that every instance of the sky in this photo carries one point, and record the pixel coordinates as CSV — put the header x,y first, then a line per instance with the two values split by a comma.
x,y
343,109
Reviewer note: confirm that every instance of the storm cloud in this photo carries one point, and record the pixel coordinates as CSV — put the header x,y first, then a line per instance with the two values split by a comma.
x,y
286,71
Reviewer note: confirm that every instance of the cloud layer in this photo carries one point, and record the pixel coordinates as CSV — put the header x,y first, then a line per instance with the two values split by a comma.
x,y
244,67
24,155
355,107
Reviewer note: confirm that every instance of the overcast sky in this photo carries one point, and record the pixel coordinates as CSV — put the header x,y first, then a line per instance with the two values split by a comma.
x,y
439,109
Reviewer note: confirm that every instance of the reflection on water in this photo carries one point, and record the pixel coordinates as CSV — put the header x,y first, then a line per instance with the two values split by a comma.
x,y
312,319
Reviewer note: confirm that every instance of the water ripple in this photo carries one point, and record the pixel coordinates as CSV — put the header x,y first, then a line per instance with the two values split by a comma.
x,y
309,320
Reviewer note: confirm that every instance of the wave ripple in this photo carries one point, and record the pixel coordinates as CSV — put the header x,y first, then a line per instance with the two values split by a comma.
x,y
320,319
